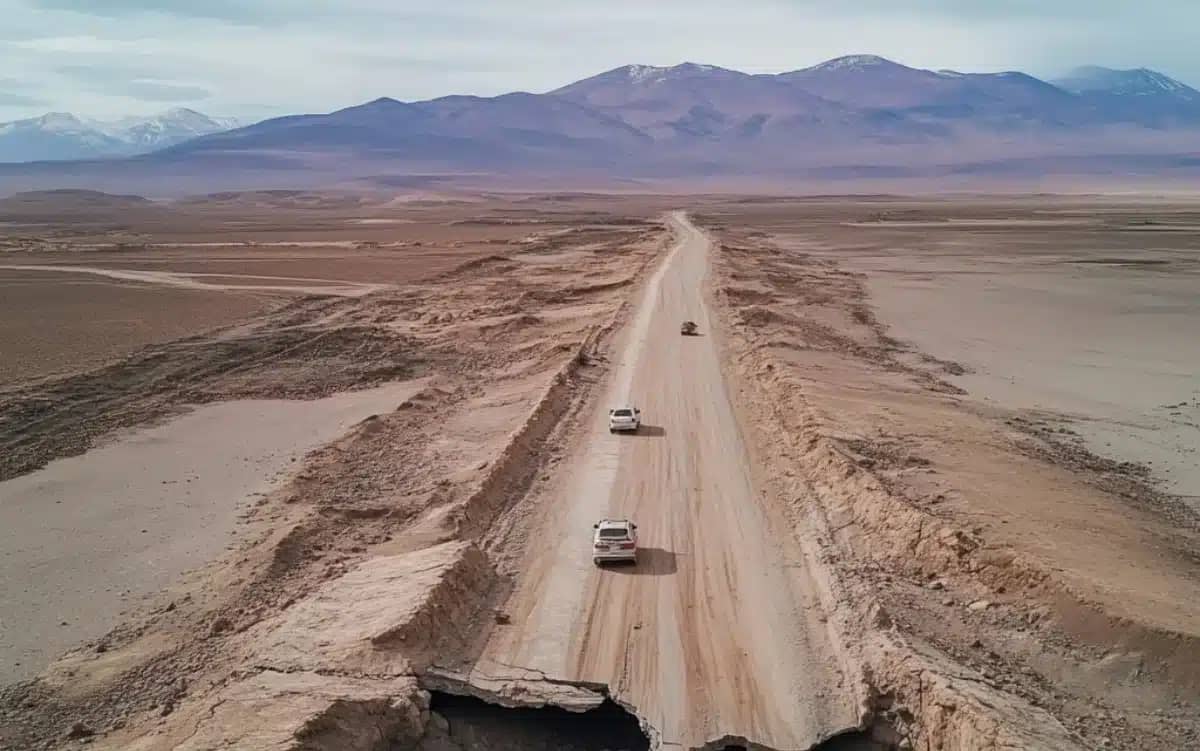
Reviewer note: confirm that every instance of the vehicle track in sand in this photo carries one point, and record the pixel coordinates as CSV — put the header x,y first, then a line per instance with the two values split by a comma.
x,y
185,280
717,633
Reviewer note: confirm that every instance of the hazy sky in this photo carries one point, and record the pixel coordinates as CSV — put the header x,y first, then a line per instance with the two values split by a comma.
x,y
257,58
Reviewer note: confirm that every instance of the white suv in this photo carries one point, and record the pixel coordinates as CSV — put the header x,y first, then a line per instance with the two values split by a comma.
x,y
624,418
614,540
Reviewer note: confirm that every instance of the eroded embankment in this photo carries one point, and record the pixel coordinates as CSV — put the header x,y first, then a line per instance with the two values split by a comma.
x,y
370,564
955,633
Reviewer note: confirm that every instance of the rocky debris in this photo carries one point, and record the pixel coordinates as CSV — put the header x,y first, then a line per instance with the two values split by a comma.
x,y
219,626
79,730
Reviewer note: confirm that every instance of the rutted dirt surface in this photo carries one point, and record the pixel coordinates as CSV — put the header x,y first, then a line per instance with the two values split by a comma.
x,y
718,631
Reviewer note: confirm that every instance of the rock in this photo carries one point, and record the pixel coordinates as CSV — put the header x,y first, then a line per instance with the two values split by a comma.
x,y
439,723
879,617
219,626
948,602
79,730
979,605
935,585
167,708
976,644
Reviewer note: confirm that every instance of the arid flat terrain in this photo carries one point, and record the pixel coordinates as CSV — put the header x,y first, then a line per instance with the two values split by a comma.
x,y
920,482
958,361
80,271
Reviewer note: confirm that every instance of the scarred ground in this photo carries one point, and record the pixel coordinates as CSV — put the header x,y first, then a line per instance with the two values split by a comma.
x,y
839,538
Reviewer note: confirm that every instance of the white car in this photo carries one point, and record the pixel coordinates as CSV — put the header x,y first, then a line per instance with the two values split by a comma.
x,y
614,540
624,419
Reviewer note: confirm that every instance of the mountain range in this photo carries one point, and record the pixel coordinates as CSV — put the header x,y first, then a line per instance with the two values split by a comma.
x,y
63,136
851,117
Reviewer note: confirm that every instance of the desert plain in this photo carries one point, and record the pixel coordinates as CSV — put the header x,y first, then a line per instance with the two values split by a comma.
x,y
317,470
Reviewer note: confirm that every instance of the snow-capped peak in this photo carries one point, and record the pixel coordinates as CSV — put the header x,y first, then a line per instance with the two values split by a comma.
x,y
59,122
642,73
852,62
1166,83
62,135
1133,82
656,73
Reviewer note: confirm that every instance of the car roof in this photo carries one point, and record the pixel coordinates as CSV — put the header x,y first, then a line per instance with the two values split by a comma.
x,y
611,523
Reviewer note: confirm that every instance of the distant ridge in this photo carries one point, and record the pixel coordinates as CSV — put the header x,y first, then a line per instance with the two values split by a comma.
x,y
853,117
63,136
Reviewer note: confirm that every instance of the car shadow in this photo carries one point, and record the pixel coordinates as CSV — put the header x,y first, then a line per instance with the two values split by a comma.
x,y
649,431
650,562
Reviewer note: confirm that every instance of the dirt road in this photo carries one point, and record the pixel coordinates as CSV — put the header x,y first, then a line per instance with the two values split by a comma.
x,y
716,633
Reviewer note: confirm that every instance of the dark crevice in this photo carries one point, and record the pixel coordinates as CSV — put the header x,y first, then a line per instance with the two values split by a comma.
x,y
462,723
878,738
468,723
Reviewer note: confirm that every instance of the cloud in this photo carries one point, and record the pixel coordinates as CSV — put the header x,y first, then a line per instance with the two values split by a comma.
x,y
12,94
226,10
140,81
161,91
115,57
13,99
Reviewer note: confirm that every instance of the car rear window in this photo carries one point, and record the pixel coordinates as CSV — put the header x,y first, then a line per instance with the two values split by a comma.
x,y
623,413
613,533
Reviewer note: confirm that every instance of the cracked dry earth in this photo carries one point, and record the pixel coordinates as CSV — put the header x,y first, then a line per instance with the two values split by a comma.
x,y
810,575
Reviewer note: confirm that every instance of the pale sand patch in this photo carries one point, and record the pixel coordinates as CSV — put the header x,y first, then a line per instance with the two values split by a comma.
x,y
83,536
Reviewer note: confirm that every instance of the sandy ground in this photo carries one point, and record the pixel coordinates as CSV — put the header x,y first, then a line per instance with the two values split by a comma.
x,y
1108,346
65,323
716,631
150,505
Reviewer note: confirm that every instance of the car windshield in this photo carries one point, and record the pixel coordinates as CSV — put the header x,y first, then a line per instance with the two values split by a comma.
x,y
623,413
613,533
